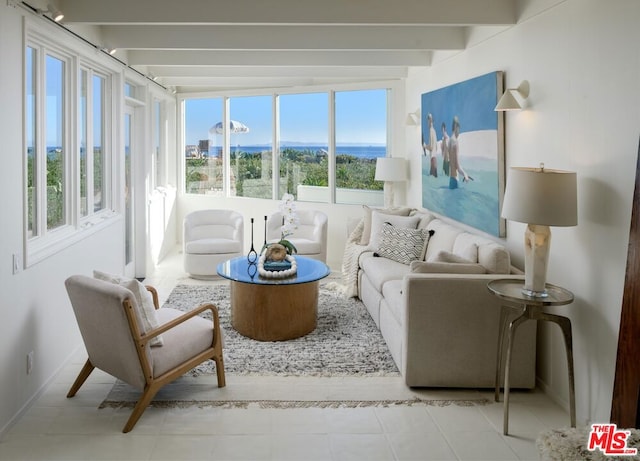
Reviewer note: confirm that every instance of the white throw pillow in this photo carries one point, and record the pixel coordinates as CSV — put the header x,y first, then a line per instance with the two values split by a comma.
x,y
366,232
448,257
144,300
403,245
378,220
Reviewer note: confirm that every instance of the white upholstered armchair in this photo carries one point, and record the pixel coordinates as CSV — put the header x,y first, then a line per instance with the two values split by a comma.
x,y
209,238
310,238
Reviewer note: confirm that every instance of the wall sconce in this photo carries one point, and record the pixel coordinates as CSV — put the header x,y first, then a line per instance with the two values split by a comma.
x,y
413,118
509,102
56,14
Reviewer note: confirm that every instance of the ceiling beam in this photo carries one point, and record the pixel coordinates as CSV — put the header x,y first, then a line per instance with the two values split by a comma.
x,y
278,58
278,71
402,12
225,37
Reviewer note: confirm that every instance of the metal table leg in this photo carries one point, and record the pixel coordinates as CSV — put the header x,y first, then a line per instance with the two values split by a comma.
x,y
565,325
515,323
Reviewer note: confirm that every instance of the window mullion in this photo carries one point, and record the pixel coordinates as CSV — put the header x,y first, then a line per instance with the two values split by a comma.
x,y
332,147
90,143
41,163
275,177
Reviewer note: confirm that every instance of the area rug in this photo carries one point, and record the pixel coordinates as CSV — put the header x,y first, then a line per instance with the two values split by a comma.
x,y
345,362
346,341
570,444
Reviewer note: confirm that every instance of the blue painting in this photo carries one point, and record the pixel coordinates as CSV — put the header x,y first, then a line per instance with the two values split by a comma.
x,y
463,152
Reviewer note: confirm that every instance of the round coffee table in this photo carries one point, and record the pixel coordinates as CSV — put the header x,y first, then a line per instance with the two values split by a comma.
x,y
273,309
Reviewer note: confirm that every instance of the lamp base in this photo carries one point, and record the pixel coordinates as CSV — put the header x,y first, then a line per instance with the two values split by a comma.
x,y
389,194
534,294
537,240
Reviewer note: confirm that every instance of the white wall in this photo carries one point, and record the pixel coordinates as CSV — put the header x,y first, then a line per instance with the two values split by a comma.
x,y
581,59
34,308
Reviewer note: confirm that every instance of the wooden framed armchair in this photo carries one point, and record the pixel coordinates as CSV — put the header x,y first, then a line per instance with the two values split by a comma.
x,y
110,322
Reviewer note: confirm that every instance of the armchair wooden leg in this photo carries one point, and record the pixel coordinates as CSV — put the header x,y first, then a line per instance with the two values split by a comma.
x,y
219,360
140,407
82,377
218,357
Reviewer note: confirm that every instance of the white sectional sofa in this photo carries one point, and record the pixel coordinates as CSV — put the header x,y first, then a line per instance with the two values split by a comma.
x,y
436,314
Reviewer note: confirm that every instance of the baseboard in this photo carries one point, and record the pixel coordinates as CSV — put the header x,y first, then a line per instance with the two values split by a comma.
x,y
23,410
544,387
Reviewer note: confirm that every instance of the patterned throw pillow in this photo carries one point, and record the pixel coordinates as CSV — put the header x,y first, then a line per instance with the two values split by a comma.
x,y
403,244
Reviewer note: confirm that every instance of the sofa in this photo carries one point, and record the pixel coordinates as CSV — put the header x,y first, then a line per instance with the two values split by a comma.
x,y
433,308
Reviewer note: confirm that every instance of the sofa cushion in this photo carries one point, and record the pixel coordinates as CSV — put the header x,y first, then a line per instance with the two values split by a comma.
x,y
380,270
425,217
466,246
366,232
444,237
392,293
494,257
402,244
422,267
379,219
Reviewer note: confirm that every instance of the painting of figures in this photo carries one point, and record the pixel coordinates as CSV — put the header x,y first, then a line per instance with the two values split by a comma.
x,y
463,152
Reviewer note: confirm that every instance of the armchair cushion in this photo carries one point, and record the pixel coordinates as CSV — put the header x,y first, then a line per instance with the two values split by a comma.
x,y
213,245
181,342
147,311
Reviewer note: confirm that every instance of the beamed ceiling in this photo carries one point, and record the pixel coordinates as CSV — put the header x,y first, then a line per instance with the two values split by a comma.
x,y
201,45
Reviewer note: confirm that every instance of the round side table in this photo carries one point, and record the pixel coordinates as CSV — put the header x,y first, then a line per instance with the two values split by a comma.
x,y
530,308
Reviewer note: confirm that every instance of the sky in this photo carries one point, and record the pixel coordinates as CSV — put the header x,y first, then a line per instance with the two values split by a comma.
x,y
361,117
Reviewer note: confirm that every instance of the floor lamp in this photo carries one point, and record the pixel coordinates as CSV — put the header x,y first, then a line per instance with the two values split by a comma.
x,y
390,170
541,198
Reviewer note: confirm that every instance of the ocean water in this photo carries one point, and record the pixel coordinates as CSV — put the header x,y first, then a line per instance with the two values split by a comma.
x,y
475,203
356,150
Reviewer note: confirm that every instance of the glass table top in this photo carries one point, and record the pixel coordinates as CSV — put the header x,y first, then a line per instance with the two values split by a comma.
x,y
239,270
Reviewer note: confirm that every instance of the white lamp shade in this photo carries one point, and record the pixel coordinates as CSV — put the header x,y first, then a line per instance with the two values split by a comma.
x,y
391,169
541,196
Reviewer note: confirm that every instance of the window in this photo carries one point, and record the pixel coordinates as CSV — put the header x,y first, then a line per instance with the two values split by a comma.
x,y
361,137
67,188
327,144
92,142
30,141
56,146
304,146
250,132
203,146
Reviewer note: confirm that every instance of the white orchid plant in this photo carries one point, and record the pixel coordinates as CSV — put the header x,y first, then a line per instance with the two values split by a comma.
x,y
290,222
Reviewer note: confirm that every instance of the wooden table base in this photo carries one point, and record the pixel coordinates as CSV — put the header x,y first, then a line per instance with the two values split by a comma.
x,y
274,312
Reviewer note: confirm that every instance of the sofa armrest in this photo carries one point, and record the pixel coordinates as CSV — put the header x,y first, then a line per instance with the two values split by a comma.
x,y
451,333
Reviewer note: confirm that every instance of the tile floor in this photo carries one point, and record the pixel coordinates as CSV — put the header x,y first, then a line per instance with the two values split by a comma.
x,y
56,428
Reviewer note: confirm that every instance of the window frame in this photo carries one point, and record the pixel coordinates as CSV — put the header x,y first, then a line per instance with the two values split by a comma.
x,y
44,242
393,89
